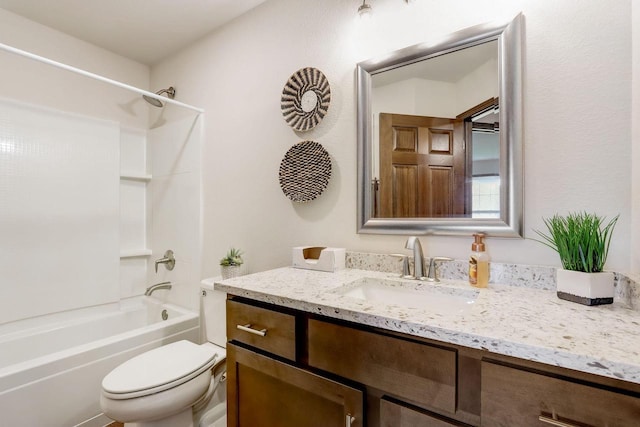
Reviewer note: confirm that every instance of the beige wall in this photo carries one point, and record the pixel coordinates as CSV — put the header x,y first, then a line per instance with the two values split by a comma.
x,y
577,92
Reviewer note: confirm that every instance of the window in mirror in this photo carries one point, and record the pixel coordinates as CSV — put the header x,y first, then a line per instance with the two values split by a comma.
x,y
485,164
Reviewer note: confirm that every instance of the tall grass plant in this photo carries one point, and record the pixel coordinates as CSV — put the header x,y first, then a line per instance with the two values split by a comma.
x,y
581,239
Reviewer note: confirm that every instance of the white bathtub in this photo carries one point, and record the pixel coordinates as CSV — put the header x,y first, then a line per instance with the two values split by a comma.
x,y
51,367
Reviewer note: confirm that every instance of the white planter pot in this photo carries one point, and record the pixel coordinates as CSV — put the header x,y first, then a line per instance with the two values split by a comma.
x,y
230,271
585,288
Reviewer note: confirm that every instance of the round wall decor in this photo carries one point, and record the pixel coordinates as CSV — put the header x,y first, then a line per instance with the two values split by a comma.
x,y
305,99
305,171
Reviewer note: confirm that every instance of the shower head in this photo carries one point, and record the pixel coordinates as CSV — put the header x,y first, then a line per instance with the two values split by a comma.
x,y
170,91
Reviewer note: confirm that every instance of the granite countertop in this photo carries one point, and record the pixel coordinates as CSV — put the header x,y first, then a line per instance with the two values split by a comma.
x,y
527,323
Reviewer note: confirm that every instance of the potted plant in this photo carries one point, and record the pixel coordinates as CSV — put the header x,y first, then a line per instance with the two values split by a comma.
x,y
231,264
582,241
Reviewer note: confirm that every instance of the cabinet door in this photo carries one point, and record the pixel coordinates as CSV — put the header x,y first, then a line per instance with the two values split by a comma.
x,y
265,392
516,397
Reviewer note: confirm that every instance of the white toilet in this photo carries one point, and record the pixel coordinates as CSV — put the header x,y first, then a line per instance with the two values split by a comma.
x,y
161,387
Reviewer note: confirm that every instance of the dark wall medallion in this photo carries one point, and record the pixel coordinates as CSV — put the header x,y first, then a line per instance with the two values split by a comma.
x,y
305,171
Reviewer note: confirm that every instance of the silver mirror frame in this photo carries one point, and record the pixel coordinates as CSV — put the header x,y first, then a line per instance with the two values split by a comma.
x,y
510,223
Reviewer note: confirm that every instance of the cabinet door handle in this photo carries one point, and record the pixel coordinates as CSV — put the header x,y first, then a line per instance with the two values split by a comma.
x,y
349,420
248,328
554,422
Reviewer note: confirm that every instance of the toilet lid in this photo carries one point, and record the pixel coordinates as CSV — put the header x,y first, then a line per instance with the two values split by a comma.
x,y
158,368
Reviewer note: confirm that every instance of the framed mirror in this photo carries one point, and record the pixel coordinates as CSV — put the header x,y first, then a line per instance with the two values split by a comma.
x,y
440,136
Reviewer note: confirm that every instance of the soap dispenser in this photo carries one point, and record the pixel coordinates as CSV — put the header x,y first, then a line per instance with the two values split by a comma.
x,y
479,262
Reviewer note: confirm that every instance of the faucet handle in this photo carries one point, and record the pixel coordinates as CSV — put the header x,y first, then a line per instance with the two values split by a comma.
x,y
406,274
168,260
432,276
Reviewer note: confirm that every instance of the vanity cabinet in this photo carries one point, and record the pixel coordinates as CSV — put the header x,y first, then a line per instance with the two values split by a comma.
x,y
287,367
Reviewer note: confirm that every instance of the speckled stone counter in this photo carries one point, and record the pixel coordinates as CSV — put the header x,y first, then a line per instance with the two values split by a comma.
x,y
529,323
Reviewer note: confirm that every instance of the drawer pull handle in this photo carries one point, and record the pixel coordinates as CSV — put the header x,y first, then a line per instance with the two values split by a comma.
x,y
349,420
554,422
248,328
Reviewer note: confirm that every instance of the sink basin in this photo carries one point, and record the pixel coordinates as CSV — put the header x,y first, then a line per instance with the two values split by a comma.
x,y
428,296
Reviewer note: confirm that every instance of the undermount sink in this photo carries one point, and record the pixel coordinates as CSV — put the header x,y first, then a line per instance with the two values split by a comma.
x,y
429,296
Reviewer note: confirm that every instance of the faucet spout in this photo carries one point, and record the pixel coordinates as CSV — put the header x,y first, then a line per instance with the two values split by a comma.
x,y
162,285
413,243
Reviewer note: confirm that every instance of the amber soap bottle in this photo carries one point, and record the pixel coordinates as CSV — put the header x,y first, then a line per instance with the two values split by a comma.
x,y
479,263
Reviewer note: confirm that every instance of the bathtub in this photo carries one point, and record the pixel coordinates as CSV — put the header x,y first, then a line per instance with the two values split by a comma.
x,y
51,367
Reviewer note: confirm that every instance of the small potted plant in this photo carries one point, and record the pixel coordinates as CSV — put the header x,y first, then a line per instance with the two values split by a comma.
x,y
582,241
231,264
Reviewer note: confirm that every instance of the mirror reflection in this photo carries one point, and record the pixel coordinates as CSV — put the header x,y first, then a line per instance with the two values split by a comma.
x,y
436,150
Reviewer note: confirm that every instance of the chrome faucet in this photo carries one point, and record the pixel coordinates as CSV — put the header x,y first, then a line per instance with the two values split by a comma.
x,y
413,243
162,285
168,260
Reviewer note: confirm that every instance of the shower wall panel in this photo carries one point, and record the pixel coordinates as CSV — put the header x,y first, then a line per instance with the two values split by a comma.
x,y
59,211
175,149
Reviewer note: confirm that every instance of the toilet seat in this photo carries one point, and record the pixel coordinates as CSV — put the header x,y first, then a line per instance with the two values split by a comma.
x,y
158,370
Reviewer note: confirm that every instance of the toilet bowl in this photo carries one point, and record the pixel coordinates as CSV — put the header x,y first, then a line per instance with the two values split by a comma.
x,y
159,388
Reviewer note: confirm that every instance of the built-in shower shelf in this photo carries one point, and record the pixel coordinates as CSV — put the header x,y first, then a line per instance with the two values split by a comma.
x,y
133,253
135,177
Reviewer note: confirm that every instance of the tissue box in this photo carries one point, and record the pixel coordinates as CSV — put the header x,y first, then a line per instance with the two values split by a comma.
x,y
319,258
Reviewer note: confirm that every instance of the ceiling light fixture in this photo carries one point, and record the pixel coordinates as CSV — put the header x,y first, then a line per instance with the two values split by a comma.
x,y
364,10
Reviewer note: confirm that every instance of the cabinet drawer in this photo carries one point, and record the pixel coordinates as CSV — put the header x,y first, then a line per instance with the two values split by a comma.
x,y
512,396
262,328
406,369
396,415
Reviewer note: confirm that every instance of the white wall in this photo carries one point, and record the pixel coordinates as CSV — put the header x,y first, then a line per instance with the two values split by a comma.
x,y
416,97
577,108
26,80
635,145
478,86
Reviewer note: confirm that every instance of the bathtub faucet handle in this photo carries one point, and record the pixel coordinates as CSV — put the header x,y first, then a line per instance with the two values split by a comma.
x,y
168,260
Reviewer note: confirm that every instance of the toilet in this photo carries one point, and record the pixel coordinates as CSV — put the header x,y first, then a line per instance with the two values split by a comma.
x,y
167,386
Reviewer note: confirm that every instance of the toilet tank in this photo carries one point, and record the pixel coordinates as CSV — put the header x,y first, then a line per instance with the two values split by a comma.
x,y
213,314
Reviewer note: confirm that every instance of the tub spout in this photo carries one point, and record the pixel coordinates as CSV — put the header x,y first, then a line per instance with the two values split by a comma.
x,y
162,285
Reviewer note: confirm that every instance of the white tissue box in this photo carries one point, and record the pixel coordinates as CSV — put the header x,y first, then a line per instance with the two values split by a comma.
x,y
319,258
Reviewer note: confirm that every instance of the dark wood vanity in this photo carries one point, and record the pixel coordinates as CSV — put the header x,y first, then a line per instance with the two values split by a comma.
x,y
292,368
